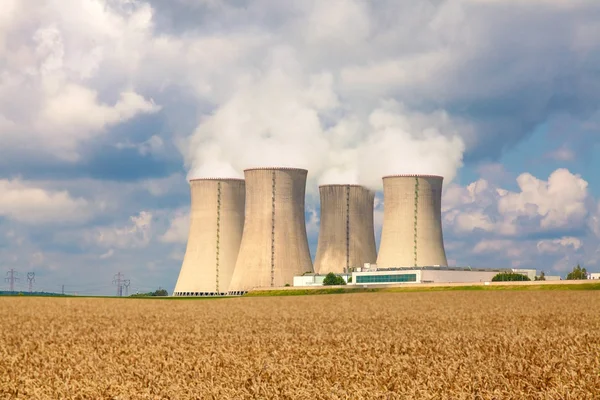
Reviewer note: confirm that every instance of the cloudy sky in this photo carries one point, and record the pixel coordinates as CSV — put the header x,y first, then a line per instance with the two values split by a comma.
x,y
108,106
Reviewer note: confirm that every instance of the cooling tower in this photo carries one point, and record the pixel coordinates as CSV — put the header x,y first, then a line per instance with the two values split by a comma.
x,y
216,225
346,234
412,222
274,244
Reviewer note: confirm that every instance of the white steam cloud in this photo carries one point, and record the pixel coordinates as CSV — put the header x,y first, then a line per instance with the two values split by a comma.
x,y
283,117
354,90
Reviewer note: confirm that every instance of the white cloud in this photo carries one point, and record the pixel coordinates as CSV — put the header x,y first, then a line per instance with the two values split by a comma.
x,y
107,255
507,247
300,84
559,202
312,223
561,154
178,230
540,206
24,202
504,226
559,245
273,120
51,80
594,221
153,146
173,184
136,234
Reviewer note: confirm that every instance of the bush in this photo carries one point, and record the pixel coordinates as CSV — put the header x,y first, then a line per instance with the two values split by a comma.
x,y
510,277
157,293
577,273
333,279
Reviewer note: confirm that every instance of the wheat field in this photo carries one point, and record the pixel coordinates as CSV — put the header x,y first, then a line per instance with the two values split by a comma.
x,y
439,345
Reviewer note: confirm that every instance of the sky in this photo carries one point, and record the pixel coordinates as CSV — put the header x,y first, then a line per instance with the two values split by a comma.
x,y
107,107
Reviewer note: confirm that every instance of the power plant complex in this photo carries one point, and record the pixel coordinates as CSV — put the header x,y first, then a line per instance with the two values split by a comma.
x,y
251,233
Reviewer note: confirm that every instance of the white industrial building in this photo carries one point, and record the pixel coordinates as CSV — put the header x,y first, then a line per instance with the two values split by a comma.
x,y
411,275
530,273
553,278
315,279
594,275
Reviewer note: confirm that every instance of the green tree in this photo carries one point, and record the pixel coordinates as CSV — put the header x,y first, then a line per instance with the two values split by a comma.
x,y
333,279
577,273
510,277
160,292
542,277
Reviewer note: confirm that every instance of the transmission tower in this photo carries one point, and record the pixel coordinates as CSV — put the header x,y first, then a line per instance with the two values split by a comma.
x,y
31,279
126,283
12,276
118,281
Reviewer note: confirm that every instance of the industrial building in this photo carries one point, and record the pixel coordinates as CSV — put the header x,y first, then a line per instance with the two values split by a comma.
x,y
216,225
316,279
428,275
412,222
274,246
530,273
346,233
372,275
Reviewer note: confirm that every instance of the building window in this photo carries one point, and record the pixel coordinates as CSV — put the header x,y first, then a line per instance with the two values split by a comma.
x,y
386,278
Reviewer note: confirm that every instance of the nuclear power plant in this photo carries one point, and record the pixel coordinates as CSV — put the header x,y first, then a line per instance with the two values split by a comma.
x,y
346,233
250,234
274,244
412,222
216,224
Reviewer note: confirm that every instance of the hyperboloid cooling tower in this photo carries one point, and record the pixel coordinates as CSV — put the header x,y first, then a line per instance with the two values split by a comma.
x,y
274,244
412,222
216,225
346,234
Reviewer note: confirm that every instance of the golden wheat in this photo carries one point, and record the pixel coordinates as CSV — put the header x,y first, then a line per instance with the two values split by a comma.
x,y
443,345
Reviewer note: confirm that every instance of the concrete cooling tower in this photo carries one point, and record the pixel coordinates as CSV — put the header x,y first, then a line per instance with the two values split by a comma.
x,y
274,245
412,222
216,225
346,234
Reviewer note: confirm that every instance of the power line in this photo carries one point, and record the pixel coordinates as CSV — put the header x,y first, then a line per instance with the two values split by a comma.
x,y
12,277
31,279
118,281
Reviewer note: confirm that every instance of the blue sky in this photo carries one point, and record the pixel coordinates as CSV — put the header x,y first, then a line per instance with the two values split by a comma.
x,y
107,107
